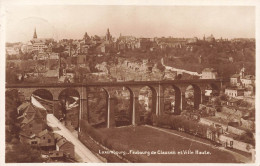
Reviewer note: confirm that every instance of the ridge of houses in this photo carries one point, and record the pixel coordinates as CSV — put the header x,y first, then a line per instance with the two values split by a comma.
x,y
36,133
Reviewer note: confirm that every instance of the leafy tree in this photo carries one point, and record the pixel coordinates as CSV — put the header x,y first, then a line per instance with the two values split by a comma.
x,y
247,137
224,97
23,153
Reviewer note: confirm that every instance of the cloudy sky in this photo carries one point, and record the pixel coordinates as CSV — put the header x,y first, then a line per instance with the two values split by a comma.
x,y
142,21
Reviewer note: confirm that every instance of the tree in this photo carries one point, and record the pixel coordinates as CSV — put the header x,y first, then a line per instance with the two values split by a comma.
x,y
247,137
217,101
160,67
23,153
224,97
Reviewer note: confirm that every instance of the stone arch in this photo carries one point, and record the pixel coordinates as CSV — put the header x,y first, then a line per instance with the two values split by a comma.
x,y
43,93
169,93
70,105
44,97
178,99
131,104
154,104
97,99
114,116
197,95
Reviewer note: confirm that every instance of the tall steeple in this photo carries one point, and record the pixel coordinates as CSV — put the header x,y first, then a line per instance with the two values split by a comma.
x,y
108,36
35,35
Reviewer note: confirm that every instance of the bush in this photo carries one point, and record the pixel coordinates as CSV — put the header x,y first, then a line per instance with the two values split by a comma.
x,y
23,153
15,141
164,120
181,123
95,134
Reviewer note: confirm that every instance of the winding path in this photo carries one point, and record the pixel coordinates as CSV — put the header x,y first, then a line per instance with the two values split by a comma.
x,y
180,70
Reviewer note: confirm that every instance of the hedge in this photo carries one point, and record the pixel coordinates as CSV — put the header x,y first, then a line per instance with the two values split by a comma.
x,y
180,123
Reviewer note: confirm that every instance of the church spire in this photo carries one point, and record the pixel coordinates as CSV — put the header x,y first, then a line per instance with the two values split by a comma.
x,y
108,36
35,35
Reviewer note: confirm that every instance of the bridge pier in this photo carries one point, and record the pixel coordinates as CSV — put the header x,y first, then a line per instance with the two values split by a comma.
x,y
182,101
160,100
83,111
110,112
134,109
178,101
197,98
161,104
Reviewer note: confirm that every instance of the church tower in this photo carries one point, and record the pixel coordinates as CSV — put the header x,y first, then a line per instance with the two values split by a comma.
x,y
34,35
108,36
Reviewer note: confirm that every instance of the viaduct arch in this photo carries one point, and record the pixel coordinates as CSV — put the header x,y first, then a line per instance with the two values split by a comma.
x,y
134,88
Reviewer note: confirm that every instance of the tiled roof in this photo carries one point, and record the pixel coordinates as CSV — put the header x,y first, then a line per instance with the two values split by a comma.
x,y
249,77
61,142
235,76
208,70
37,114
43,132
22,107
233,100
52,73
57,136
26,135
216,119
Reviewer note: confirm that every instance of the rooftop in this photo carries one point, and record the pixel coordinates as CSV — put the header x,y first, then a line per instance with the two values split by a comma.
x,y
208,70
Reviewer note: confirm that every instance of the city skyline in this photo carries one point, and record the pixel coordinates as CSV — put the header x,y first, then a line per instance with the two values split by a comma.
x,y
71,22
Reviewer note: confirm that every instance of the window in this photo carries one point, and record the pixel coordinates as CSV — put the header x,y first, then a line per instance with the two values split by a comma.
x,y
34,142
43,137
49,140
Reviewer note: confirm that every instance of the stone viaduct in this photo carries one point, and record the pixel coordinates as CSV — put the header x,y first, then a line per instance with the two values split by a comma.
x,y
157,88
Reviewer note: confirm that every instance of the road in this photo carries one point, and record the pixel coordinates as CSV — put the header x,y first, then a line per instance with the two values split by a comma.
x,y
84,153
180,70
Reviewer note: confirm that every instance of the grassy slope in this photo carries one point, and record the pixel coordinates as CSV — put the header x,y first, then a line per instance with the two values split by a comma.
x,y
145,139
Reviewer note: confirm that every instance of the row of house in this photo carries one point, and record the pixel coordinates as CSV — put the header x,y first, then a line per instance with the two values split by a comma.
x,y
36,132
241,85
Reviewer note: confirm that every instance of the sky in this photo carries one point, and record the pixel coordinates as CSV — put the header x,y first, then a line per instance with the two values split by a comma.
x,y
72,21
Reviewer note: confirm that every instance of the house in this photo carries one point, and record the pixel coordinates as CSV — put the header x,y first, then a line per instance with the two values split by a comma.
x,y
235,80
242,80
55,154
228,140
34,120
210,39
66,147
22,108
81,60
11,51
42,56
51,76
45,139
248,80
209,73
54,55
234,92
232,102
39,46
223,124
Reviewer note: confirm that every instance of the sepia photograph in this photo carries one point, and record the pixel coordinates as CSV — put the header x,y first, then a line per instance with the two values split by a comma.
x,y
130,84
